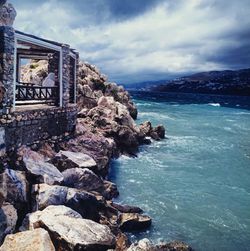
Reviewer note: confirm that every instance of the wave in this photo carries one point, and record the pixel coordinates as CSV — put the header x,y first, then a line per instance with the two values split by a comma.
x,y
144,104
155,115
214,104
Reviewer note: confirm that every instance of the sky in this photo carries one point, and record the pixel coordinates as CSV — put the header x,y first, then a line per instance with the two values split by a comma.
x,y
142,40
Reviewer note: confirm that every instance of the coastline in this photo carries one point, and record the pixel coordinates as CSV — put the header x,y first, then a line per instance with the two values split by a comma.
x,y
61,175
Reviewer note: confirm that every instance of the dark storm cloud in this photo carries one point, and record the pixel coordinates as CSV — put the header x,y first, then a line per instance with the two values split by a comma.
x,y
99,10
134,40
130,8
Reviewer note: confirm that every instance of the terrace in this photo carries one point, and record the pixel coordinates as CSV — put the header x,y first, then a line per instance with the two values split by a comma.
x,y
49,90
34,109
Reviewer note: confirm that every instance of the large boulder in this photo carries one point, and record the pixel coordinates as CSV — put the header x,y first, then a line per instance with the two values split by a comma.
x,y
82,179
142,245
81,201
134,221
43,172
122,242
174,246
8,220
25,152
33,240
146,245
71,233
146,128
84,234
84,203
114,121
126,208
110,190
158,132
37,167
93,144
31,221
67,159
3,190
47,151
17,188
122,96
87,180
45,195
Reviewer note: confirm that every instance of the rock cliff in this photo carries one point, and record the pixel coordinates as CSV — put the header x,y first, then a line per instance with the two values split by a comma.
x,y
55,196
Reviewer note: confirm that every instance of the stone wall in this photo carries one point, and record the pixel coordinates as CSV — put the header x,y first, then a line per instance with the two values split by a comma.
x,y
65,74
7,36
29,127
53,65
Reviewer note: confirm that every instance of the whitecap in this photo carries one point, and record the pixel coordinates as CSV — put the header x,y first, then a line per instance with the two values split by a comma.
x,y
214,104
132,181
155,115
242,113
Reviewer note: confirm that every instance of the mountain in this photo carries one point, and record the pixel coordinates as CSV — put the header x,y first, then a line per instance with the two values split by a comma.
x,y
143,86
212,82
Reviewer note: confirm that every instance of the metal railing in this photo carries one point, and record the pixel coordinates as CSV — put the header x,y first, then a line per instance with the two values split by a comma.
x,y
31,93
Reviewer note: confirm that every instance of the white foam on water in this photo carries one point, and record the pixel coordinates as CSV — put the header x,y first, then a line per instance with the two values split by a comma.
x,y
226,128
242,113
144,104
132,181
214,104
155,115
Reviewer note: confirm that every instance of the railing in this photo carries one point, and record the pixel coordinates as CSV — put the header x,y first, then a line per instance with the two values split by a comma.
x,y
28,93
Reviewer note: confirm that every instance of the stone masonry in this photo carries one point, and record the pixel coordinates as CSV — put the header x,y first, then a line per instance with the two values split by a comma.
x,y
7,35
29,126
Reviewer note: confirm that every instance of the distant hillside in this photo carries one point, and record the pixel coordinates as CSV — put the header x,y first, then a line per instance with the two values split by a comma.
x,y
213,82
143,86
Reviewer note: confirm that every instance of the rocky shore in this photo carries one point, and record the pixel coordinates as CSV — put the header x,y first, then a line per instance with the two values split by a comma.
x,y
54,195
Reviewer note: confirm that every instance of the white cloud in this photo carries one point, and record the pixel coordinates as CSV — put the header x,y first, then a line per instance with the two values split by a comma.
x,y
167,39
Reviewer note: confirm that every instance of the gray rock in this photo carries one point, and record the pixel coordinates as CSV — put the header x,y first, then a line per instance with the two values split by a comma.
x,y
8,220
84,203
146,128
79,200
82,179
134,221
73,233
66,159
142,245
43,172
33,240
3,190
126,208
78,234
146,245
31,221
45,195
158,132
17,188
174,246
110,190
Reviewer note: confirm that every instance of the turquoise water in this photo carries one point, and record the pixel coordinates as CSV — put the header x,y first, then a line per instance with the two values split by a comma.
x,y
195,184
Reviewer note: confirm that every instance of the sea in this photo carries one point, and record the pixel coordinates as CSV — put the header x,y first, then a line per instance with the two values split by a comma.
x,y
195,184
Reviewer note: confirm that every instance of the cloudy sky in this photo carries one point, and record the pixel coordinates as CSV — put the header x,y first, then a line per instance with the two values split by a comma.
x,y
139,40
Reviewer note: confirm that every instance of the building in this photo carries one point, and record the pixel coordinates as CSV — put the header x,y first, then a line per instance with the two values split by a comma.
x,y
31,112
